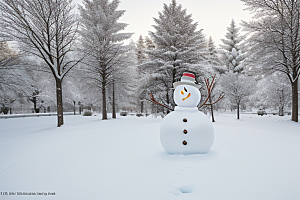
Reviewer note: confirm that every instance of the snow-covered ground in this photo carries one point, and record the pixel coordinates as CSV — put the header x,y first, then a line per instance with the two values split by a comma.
x,y
122,159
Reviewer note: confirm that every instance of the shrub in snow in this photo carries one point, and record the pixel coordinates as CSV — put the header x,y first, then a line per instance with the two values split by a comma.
x,y
87,113
123,113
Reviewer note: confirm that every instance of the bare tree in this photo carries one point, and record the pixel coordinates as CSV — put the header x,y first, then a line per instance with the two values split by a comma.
x,y
13,83
211,96
275,40
46,29
237,87
279,92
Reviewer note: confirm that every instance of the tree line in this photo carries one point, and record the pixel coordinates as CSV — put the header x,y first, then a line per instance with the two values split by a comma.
x,y
84,58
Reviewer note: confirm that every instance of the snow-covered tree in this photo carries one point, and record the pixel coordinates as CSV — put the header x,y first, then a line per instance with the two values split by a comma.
x,y
101,35
213,59
178,47
46,29
140,50
13,83
232,54
75,90
40,93
141,58
273,92
237,88
280,94
149,43
275,40
123,90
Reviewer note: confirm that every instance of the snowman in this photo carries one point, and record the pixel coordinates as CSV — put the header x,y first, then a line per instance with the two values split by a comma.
x,y
186,130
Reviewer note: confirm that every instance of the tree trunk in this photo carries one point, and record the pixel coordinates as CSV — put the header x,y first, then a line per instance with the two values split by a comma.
x,y
212,113
142,105
281,111
60,117
238,111
34,104
211,110
168,101
295,101
114,102
5,110
74,107
104,111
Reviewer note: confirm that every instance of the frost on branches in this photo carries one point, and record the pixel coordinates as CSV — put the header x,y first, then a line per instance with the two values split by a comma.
x,y
232,54
47,30
237,88
273,92
179,47
101,36
274,42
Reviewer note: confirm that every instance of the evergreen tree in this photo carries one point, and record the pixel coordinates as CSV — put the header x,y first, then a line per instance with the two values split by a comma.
x,y
178,47
149,43
140,50
100,34
140,54
233,82
213,59
232,49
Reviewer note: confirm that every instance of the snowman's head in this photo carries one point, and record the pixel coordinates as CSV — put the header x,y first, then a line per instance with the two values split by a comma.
x,y
187,92
187,96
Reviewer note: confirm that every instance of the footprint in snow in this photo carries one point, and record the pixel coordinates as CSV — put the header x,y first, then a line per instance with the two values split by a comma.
x,y
182,184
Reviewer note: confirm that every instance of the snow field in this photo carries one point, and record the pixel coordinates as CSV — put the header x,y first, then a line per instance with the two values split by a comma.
x,y
122,159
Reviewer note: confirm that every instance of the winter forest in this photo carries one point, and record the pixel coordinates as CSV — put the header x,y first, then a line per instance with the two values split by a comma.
x,y
56,56
91,108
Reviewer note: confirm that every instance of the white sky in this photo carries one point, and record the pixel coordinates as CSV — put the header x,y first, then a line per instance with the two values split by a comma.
x,y
213,16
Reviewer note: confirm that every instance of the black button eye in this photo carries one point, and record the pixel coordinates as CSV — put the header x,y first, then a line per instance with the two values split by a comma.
x,y
185,89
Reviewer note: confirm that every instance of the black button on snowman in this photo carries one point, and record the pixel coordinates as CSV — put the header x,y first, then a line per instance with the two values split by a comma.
x,y
186,130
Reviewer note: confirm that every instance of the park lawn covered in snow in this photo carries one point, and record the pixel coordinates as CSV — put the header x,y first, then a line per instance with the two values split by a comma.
x,y
256,157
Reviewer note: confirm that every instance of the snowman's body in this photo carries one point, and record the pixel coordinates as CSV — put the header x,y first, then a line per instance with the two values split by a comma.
x,y
186,130
197,131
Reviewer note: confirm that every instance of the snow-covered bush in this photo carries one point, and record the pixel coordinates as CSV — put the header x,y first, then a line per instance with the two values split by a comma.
x,y
123,113
87,113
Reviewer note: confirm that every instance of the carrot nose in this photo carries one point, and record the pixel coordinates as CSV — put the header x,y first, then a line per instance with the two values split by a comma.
x,y
182,92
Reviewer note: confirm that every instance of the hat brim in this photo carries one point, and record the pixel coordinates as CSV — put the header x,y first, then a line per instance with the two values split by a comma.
x,y
186,83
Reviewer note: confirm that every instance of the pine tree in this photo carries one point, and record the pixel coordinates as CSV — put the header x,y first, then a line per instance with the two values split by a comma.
x,y
100,33
140,54
149,43
232,49
178,47
140,50
213,59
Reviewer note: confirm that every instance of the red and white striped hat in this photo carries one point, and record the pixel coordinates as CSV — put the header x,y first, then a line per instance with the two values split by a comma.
x,y
187,78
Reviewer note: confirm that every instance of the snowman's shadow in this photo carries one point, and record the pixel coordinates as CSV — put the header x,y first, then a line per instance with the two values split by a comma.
x,y
188,157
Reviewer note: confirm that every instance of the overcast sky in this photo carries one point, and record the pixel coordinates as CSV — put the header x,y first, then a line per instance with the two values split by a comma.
x,y
213,16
